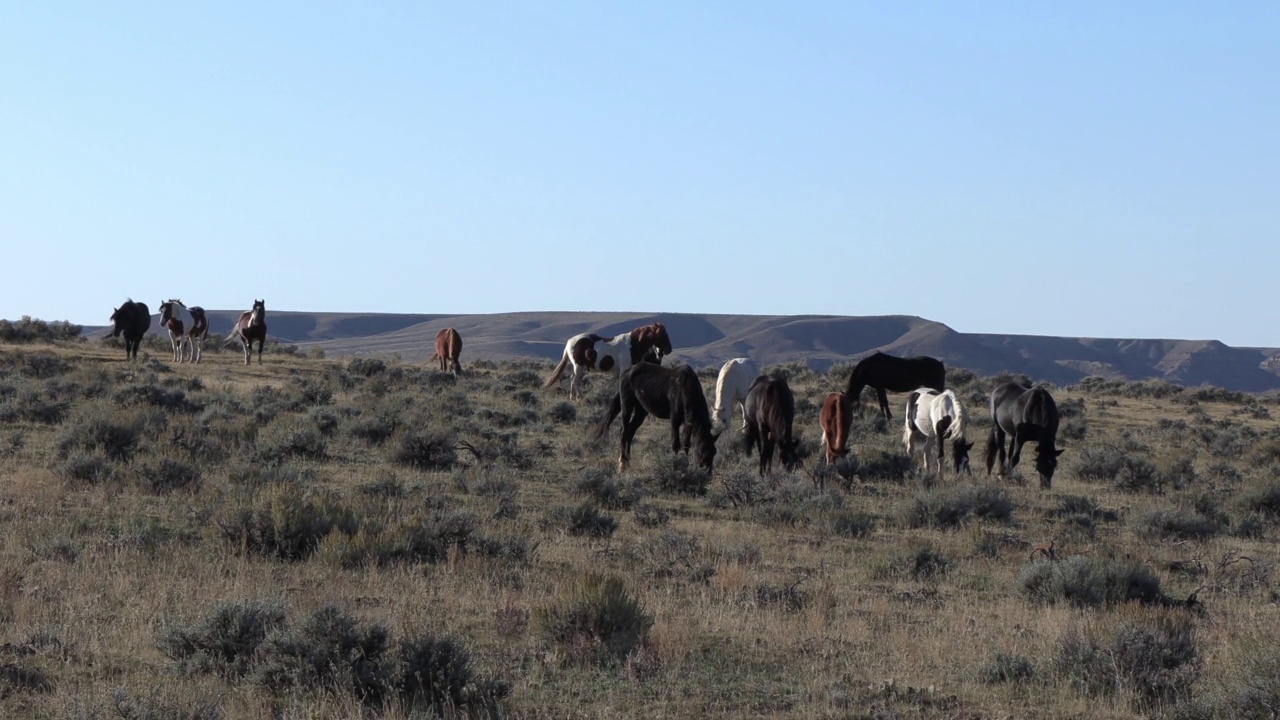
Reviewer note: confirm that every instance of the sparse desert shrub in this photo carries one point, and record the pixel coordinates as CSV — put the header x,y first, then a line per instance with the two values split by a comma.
x,y
921,563
600,622
16,677
166,475
224,641
329,651
86,467
852,524
292,440
1264,499
1154,658
586,520
680,477
1007,668
427,537
563,413
787,597
606,490
1124,467
160,703
649,516
436,674
324,420
1177,524
953,505
1089,581
427,449
283,522
117,439
884,465
366,367
155,396
387,485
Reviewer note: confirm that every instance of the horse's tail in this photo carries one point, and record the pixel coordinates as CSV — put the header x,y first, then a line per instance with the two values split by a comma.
x,y
559,371
956,431
615,407
993,448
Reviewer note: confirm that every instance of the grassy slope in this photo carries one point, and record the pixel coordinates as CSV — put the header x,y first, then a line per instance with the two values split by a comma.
x,y
104,568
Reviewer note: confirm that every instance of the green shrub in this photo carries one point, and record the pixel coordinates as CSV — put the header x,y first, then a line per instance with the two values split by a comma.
x,y
427,449
1007,668
1156,660
600,623
953,505
606,490
1089,581
332,652
285,523
852,524
86,467
1178,524
225,641
680,477
436,674
168,475
117,440
563,413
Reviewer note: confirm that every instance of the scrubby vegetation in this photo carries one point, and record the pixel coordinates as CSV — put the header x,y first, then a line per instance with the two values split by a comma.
x,y
371,538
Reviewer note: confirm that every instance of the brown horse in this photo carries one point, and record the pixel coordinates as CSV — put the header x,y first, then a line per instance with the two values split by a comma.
x,y
835,419
770,411
621,352
251,326
448,348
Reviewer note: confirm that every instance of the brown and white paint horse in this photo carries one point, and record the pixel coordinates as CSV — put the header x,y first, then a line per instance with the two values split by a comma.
x,y
620,353
170,321
448,349
251,326
197,333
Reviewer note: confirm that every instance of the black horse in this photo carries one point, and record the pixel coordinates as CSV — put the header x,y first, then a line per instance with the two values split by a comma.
x,y
1025,414
894,374
668,393
770,410
133,319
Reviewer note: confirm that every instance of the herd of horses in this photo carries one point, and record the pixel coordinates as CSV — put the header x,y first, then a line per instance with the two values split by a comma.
x,y
933,417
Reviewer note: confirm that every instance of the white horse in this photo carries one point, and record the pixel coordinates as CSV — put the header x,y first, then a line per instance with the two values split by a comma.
x,y
735,379
589,351
935,417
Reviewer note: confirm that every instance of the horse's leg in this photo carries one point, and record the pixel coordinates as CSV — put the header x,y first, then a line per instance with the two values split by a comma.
x,y
261,341
632,418
573,383
767,442
1000,456
1015,447
883,397
247,352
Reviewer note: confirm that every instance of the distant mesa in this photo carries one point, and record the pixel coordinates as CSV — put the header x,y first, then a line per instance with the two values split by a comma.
x,y
819,341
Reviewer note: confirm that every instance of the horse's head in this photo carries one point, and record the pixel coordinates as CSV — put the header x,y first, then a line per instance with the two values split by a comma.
x,y
166,311
1046,463
259,312
960,456
706,450
789,450
115,321
652,336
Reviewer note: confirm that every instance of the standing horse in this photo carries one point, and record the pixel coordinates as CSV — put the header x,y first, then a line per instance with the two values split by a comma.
x,y
170,321
936,417
448,349
198,331
673,394
836,418
622,352
251,326
133,319
1025,414
894,374
732,385
770,411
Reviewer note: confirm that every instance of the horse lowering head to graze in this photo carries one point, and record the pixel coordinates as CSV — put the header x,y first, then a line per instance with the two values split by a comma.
x,y
132,319
935,418
251,326
732,384
673,394
448,349
620,353
170,321
197,333
883,373
1025,414
836,418
771,411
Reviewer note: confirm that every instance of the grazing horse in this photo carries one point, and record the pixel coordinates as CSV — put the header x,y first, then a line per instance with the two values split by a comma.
x,y
133,319
1025,414
732,385
251,326
770,410
622,352
170,321
673,394
894,374
936,417
836,418
448,349
198,331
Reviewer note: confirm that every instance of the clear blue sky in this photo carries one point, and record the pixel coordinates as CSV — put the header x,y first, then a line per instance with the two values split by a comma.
x,y
1096,169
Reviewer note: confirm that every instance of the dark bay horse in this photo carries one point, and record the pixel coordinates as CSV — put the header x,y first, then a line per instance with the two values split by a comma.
x,y
132,319
170,321
197,333
770,412
673,394
448,350
621,352
251,326
836,418
894,374
1025,414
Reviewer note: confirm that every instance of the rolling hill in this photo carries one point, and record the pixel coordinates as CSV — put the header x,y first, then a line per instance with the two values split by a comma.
x,y
817,340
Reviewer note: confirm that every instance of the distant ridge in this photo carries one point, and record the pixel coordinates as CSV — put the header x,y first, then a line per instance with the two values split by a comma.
x,y
817,340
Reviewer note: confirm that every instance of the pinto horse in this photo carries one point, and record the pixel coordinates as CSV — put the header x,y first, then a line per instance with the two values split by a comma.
x,y
251,326
770,412
673,394
622,352
732,385
198,331
170,321
836,418
1024,414
894,374
133,319
448,349
936,417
